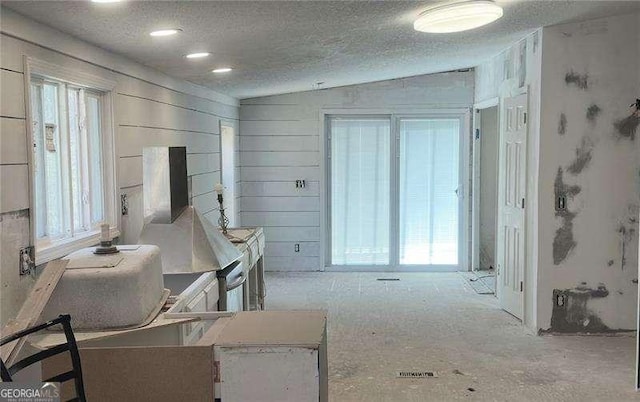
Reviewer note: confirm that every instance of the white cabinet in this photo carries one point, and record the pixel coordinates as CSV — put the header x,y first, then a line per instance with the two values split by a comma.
x,y
270,356
200,296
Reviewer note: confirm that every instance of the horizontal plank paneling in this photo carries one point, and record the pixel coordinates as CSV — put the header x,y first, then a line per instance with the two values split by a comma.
x,y
132,111
203,183
280,218
279,204
11,53
295,234
203,163
280,143
12,94
280,188
134,87
130,170
205,202
265,127
277,112
14,194
287,249
292,263
131,140
13,141
279,173
279,159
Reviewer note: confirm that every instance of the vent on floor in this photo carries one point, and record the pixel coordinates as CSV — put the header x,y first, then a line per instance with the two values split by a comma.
x,y
416,374
388,279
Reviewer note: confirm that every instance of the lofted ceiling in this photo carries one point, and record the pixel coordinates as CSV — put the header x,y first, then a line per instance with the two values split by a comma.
x,y
288,46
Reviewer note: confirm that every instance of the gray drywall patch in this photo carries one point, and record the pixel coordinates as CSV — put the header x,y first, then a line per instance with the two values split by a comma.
x,y
23,213
584,153
627,127
563,241
562,124
579,80
570,312
627,238
593,112
522,63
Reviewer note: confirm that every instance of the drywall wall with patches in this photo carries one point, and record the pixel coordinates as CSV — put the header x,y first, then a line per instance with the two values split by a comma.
x,y
514,71
150,110
590,162
280,142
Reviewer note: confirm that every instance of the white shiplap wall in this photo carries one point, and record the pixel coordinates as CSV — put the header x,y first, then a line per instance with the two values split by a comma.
x,y
280,142
150,110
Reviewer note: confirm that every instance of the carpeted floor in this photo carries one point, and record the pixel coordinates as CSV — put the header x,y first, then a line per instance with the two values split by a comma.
x,y
437,322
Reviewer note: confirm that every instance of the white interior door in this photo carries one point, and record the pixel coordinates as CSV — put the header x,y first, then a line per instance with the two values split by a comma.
x,y
511,204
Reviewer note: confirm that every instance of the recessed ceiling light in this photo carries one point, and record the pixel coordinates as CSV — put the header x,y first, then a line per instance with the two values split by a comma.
x,y
106,1
222,70
165,32
458,17
197,55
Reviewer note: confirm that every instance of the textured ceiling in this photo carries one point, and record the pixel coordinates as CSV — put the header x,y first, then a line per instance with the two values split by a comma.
x,y
279,47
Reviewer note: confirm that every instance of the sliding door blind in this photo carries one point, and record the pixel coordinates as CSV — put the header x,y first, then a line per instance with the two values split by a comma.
x,y
429,171
360,190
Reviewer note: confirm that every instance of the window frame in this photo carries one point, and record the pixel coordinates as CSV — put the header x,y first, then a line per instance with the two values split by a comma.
x,y
105,87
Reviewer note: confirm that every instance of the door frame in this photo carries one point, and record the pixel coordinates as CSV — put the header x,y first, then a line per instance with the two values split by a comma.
x,y
476,153
464,202
235,217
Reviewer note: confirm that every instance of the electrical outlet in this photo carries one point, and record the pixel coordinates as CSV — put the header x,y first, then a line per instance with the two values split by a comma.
x,y
561,203
27,261
300,183
560,300
296,248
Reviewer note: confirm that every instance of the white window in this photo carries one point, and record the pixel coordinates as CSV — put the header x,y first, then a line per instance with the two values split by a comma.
x,y
72,164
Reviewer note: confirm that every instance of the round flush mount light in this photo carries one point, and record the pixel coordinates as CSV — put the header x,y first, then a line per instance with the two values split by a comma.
x,y
222,70
165,32
458,17
197,55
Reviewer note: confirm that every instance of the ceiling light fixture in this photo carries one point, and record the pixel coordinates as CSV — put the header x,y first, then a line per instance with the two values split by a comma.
x,y
458,17
165,32
222,70
197,55
106,1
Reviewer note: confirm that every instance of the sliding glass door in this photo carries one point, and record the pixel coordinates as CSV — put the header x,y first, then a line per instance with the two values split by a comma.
x,y
393,192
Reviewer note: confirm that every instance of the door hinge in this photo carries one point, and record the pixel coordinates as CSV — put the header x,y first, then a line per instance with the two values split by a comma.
x,y
523,203
521,286
525,117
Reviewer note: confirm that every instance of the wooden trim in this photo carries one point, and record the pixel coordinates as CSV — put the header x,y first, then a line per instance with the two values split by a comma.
x,y
31,310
